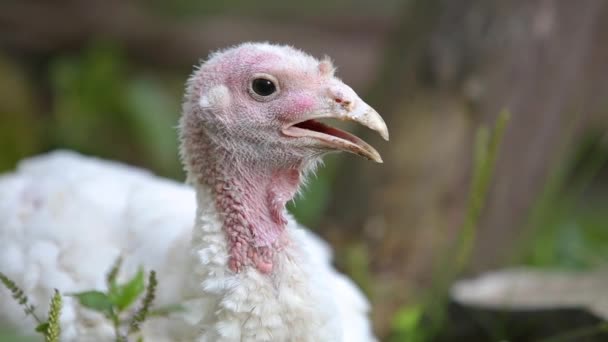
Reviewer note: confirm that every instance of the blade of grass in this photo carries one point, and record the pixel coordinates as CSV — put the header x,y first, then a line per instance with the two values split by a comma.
x,y
486,153
487,144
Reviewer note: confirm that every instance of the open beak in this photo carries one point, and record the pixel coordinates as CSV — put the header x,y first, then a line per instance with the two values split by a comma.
x,y
347,108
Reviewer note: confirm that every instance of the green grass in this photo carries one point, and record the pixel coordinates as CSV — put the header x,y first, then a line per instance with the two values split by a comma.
x,y
421,321
572,236
567,228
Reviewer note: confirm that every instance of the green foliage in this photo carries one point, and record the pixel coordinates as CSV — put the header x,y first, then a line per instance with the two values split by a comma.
x,y
356,263
113,273
574,236
20,127
406,323
19,296
122,296
153,114
119,297
114,304
89,95
131,113
567,228
50,329
42,327
408,326
53,329
94,300
485,154
141,314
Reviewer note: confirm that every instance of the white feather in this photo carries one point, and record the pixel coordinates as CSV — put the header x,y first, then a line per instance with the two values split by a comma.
x,y
65,218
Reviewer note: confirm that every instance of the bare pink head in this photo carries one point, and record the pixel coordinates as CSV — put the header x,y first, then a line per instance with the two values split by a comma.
x,y
248,131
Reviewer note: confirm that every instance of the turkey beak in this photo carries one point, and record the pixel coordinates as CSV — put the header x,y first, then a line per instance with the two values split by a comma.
x,y
343,104
365,115
368,117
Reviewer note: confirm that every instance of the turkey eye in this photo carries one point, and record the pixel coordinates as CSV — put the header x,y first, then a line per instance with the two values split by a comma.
x,y
263,86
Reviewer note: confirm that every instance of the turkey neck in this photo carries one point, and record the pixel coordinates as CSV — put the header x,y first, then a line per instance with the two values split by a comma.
x,y
250,198
251,202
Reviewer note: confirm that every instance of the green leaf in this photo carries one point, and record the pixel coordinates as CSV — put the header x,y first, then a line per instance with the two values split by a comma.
x,y
42,327
122,296
95,300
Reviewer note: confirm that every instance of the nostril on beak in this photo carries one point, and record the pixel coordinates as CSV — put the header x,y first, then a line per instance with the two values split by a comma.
x,y
341,96
344,103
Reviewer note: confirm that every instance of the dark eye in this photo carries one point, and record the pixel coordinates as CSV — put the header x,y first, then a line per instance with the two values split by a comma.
x,y
263,86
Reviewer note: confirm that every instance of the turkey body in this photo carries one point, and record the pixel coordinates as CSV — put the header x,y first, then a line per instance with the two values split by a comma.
x,y
65,219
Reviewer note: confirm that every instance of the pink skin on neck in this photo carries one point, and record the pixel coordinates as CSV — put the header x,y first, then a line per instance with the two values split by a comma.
x,y
252,205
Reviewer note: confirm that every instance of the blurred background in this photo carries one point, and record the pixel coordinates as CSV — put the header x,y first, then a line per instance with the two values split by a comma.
x,y
106,78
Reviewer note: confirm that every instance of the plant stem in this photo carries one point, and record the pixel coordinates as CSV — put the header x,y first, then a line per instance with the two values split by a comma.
x,y
116,323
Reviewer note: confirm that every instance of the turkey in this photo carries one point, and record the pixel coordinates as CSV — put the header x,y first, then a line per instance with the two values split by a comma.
x,y
223,244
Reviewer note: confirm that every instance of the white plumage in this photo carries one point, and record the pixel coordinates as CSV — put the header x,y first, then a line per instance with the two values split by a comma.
x,y
65,218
